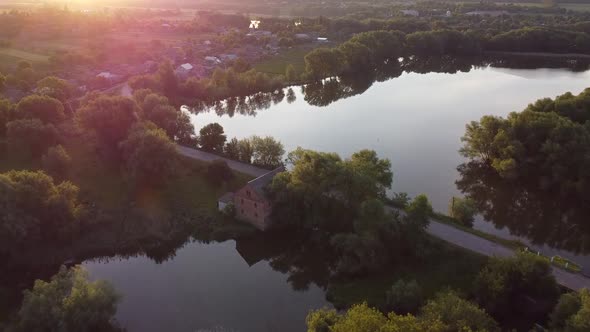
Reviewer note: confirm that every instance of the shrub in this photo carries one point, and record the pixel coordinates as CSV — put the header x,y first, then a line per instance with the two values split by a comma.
x,y
463,210
404,297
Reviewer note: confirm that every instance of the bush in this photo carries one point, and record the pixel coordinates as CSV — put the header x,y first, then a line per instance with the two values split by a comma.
x,y
463,210
219,172
572,312
405,297
56,161
504,281
149,154
69,302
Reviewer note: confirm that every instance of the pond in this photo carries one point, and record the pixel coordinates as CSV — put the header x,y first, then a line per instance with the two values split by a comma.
x,y
220,287
415,119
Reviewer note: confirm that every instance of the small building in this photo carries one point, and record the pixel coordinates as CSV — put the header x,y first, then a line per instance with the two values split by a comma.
x,y
251,201
224,201
410,12
322,39
184,70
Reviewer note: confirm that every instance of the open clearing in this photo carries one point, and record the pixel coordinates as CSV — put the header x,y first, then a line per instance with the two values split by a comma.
x,y
22,55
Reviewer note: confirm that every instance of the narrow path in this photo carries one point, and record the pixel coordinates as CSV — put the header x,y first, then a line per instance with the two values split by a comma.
x,y
485,247
209,157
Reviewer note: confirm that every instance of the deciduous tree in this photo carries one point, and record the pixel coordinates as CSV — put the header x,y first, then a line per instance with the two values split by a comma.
x,y
44,108
68,303
149,155
212,138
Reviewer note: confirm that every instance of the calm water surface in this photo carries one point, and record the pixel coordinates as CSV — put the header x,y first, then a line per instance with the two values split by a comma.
x,y
206,286
415,120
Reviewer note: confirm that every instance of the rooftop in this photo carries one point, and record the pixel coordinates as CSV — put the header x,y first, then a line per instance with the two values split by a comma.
x,y
260,182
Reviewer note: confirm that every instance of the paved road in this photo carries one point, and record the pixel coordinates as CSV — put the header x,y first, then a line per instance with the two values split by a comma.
x,y
480,245
234,165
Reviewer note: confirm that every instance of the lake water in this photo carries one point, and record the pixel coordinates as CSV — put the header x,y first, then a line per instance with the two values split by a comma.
x,y
415,120
206,287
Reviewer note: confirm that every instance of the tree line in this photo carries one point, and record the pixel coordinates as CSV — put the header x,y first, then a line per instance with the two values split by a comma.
x,y
367,50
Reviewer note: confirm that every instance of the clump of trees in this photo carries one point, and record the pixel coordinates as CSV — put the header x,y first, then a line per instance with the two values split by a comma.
x,y
540,39
506,284
572,312
447,312
463,210
545,145
212,138
265,152
237,80
69,302
405,296
158,109
36,209
56,88
148,153
342,200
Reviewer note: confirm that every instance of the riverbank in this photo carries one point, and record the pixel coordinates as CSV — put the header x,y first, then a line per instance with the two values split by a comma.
x,y
540,54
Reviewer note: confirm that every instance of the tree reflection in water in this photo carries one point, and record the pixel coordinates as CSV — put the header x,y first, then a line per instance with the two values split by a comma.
x,y
325,92
544,217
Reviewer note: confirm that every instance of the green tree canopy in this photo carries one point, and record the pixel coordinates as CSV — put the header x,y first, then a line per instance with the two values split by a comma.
x,y
458,314
572,312
212,138
149,154
405,297
268,152
463,209
35,208
110,118
157,109
30,136
44,108
503,282
68,303
55,87
232,149
446,313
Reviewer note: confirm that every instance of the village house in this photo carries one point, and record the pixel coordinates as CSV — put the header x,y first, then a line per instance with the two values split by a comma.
x,y
251,202
184,70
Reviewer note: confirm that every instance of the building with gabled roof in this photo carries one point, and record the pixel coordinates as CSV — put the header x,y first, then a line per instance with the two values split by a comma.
x,y
251,202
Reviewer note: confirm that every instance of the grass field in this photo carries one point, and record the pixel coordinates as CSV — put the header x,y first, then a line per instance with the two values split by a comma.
x,y
23,55
278,64
447,267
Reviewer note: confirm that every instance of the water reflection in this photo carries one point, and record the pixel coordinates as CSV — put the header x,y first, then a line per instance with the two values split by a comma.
x,y
542,217
327,91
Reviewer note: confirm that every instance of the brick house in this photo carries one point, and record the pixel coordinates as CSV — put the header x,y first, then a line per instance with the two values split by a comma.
x,y
251,202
